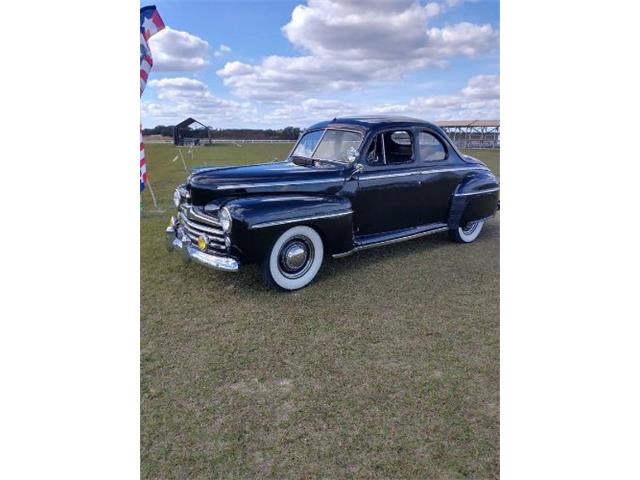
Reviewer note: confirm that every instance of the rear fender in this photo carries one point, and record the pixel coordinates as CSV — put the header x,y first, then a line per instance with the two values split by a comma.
x,y
259,220
475,198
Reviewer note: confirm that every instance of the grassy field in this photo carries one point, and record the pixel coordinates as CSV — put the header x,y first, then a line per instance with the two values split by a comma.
x,y
386,367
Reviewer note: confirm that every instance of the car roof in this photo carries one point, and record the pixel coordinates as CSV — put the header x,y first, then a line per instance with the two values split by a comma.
x,y
370,122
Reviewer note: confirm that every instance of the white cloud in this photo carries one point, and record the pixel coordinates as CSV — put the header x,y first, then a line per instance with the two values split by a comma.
x,y
280,78
183,97
432,9
480,99
222,49
347,46
176,51
168,87
308,111
483,87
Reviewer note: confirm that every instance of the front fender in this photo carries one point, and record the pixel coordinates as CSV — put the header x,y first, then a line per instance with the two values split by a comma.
x,y
259,220
475,198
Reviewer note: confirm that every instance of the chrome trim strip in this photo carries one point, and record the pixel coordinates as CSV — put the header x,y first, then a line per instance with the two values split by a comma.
x,y
276,184
490,190
193,215
391,241
384,150
213,242
200,228
389,175
226,264
340,180
419,172
319,141
300,219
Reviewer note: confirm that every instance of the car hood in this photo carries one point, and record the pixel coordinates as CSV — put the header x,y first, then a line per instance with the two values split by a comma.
x,y
211,183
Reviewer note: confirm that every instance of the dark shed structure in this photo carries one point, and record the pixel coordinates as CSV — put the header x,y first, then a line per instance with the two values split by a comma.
x,y
182,131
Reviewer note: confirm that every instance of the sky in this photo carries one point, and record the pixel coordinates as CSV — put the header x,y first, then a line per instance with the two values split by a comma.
x,y
272,64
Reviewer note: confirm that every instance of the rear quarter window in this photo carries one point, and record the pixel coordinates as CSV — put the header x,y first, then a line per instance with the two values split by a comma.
x,y
431,148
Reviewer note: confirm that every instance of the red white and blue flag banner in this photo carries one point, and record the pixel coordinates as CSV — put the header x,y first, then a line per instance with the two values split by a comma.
x,y
143,165
150,24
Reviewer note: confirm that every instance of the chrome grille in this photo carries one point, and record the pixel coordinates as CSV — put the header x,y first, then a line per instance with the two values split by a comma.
x,y
195,224
193,214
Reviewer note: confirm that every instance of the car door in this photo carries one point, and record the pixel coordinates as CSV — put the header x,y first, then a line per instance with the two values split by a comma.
x,y
441,175
388,195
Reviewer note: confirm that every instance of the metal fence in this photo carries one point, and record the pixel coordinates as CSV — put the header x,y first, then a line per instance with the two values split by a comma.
x,y
477,144
473,136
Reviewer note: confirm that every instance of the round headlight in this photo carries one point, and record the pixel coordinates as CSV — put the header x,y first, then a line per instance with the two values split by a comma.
x,y
177,198
225,219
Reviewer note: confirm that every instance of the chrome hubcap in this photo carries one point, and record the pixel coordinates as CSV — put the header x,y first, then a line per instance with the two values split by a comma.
x,y
296,257
470,227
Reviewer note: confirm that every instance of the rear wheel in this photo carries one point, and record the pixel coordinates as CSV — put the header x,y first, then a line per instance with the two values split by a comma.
x,y
467,233
294,259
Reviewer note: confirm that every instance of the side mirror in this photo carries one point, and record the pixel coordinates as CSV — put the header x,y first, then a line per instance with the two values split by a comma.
x,y
352,154
357,168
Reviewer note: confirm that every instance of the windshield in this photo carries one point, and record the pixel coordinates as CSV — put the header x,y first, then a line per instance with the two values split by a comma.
x,y
336,145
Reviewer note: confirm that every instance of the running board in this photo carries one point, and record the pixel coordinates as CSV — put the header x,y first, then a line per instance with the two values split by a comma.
x,y
394,237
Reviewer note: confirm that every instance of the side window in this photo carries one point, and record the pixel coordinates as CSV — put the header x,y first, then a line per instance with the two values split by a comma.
x,y
375,155
431,149
398,146
391,148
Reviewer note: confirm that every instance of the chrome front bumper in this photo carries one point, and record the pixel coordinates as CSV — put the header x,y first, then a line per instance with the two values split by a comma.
x,y
190,253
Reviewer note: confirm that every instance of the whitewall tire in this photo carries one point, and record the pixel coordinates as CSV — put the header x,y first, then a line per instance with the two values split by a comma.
x,y
294,259
467,233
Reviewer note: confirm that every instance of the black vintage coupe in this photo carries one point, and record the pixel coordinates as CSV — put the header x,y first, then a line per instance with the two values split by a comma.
x,y
348,184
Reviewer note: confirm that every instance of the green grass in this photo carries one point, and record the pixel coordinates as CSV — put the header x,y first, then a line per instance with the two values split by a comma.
x,y
490,157
386,367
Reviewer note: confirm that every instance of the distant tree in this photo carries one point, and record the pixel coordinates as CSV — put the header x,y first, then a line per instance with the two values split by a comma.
x,y
287,133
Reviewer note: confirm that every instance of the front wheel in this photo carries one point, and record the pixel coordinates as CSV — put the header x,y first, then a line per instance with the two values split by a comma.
x,y
467,233
294,259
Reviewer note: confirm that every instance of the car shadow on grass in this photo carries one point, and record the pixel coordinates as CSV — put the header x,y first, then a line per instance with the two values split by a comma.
x,y
400,251
248,280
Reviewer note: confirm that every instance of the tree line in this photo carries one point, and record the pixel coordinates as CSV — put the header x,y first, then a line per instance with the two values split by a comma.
x,y
288,133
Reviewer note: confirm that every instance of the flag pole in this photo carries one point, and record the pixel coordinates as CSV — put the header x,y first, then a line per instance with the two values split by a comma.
x,y
150,24
182,158
153,196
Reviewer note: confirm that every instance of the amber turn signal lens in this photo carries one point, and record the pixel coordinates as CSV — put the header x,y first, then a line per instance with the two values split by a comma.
x,y
202,243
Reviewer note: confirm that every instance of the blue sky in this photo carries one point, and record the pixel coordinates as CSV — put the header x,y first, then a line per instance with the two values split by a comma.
x,y
269,64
